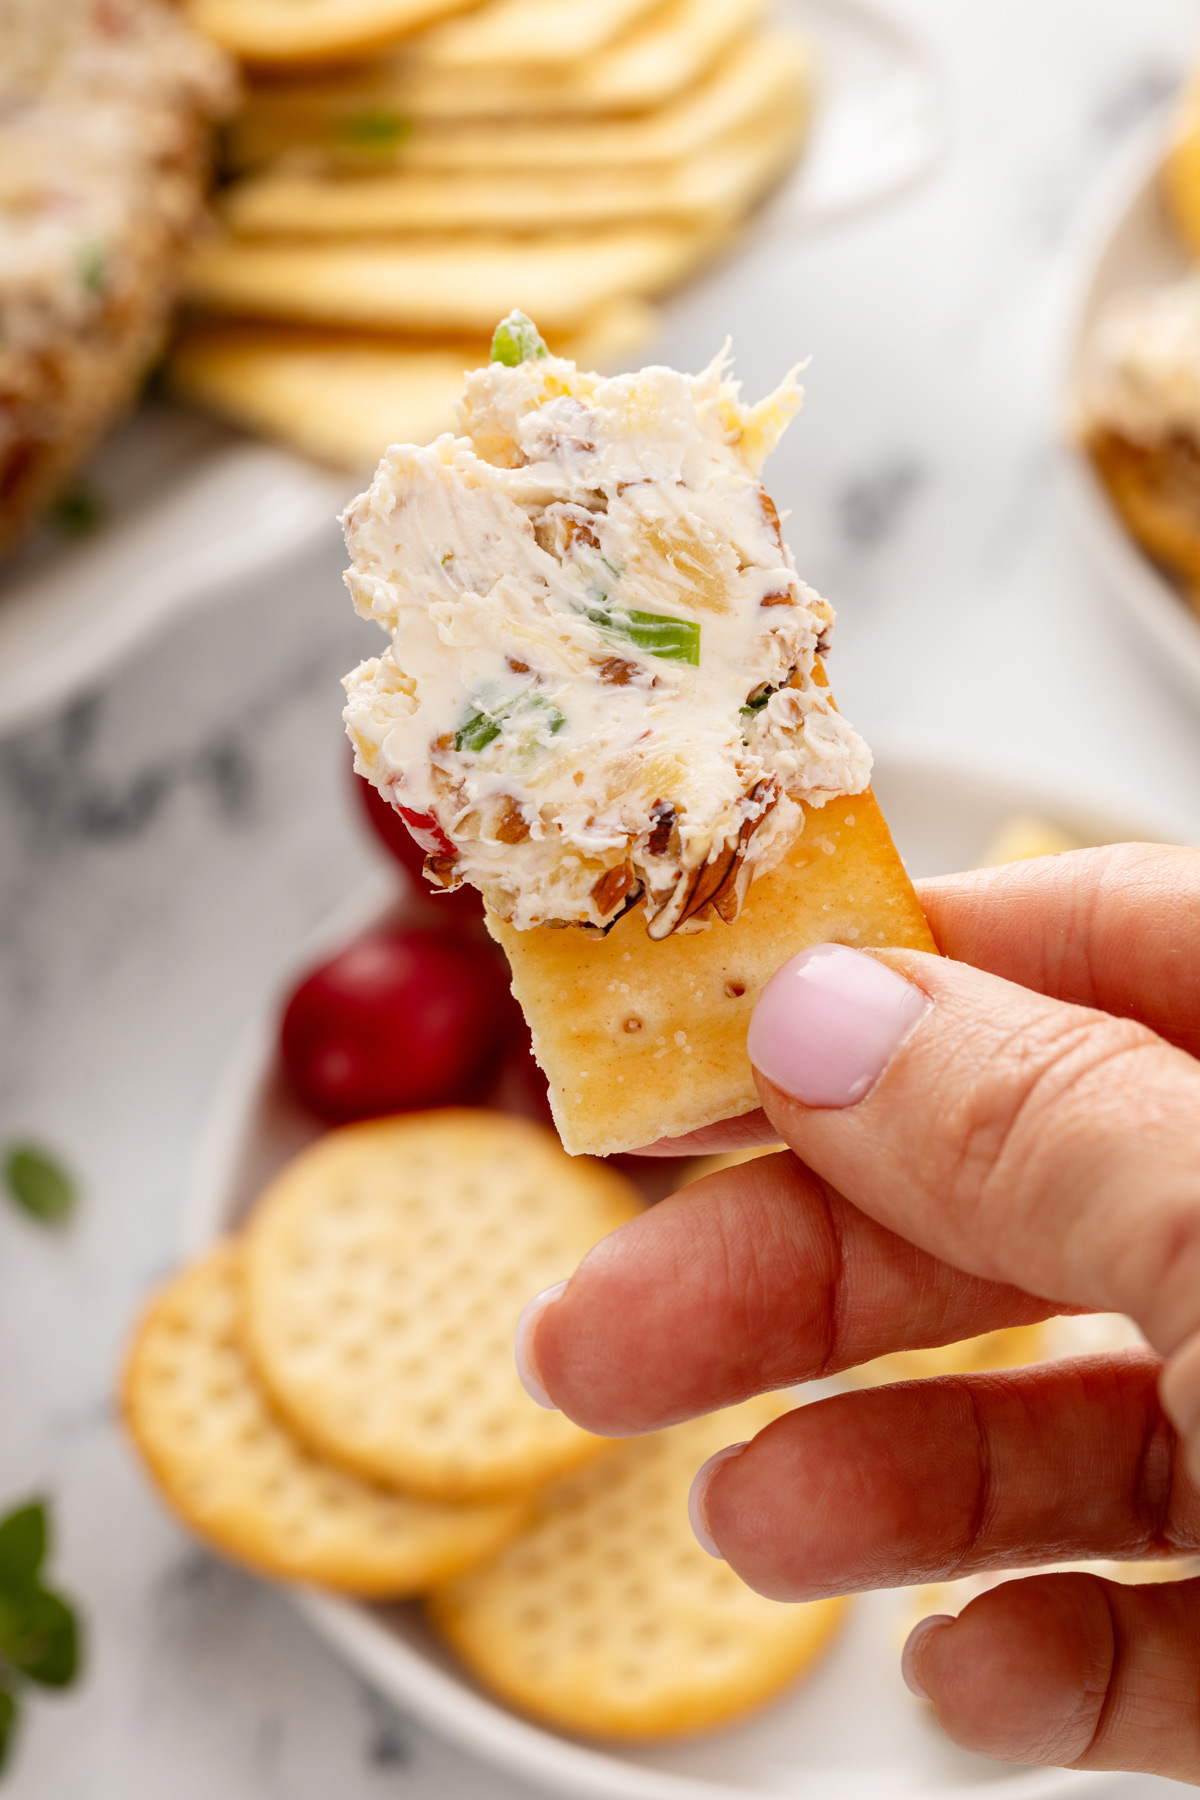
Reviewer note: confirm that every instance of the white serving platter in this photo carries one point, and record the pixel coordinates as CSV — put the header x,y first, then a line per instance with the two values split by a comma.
x,y
192,512
1126,240
851,1732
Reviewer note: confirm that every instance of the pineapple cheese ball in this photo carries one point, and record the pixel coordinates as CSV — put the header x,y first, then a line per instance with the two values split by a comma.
x,y
603,704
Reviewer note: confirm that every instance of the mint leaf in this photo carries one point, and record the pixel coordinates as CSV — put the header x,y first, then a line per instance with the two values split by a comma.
x,y
38,1637
374,128
23,1538
39,1185
517,340
8,1720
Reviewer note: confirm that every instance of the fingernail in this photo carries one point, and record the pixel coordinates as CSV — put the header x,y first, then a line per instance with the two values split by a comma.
x,y
698,1497
525,1348
932,1623
829,1022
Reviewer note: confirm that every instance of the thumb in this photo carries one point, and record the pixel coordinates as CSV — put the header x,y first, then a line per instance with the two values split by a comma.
x,y
1021,1139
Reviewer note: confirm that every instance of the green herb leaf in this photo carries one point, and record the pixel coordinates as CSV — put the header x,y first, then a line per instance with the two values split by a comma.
x,y
77,513
756,704
38,1637
8,1720
517,340
93,267
374,128
23,1538
39,1184
675,640
477,732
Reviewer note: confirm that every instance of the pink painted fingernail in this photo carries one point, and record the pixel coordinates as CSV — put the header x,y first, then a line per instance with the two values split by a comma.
x,y
933,1623
698,1497
525,1346
829,1022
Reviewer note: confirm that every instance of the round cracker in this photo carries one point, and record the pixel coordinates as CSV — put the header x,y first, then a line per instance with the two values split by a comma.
x,y
1012,1347
607,1618
386,1269
234,1474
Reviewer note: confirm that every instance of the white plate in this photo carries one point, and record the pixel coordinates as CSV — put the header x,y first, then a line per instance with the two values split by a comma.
x,y
1127,241
851,1732
191,509
187,509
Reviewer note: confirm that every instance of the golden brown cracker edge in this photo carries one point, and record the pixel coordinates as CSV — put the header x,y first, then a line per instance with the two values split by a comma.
x,y
642,1040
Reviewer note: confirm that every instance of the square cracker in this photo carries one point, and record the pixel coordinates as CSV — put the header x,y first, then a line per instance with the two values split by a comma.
x,y
279,31
462,282
617,1085
337,396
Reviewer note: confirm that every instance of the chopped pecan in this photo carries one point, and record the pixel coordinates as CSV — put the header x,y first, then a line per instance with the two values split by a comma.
x,y
780,598
442,871
662,817
518,668
577,529
511,827
717,883
617,671
771,515
612,887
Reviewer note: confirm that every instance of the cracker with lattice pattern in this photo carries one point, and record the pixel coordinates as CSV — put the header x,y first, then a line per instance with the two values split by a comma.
x,y
234,1474
385,1272
607,1617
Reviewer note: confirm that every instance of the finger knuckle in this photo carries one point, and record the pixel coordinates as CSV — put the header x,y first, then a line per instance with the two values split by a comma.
x,y
1040,1101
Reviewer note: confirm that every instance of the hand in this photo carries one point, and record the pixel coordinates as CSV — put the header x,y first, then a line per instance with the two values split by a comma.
x,y
978,1150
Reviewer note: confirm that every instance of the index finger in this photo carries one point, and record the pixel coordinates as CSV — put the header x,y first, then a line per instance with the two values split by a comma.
x,y
1116,928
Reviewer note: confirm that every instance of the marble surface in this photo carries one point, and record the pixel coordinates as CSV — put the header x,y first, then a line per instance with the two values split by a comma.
x,y
166,842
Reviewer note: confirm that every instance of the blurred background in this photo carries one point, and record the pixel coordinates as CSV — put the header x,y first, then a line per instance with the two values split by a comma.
x,y
919,202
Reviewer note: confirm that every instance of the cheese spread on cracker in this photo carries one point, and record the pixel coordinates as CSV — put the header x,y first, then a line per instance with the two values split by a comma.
x,y
603,682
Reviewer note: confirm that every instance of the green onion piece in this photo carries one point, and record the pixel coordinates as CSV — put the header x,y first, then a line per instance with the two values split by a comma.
x,y
517,340
374,128
675,640
93,267
756,705
77,513
477,732
482,728
39,1185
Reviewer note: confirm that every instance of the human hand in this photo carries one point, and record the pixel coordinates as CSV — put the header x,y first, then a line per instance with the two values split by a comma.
x,y
979,1149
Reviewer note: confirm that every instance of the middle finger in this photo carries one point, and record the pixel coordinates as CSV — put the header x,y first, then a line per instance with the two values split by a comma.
x,y
754,1278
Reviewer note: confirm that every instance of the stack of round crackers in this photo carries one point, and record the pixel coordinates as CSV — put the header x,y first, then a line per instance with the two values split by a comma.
x,y
402,178
331,1397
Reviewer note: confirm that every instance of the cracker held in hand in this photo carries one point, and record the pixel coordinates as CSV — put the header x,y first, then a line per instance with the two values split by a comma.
x,y
235,1475
385,1272
604,706
607,1617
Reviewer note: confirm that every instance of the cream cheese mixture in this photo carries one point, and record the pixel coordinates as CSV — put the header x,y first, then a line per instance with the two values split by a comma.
x,y
602,683
1143,378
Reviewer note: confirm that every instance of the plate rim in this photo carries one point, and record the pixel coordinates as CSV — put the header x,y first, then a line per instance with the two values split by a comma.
x,y
1147,599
